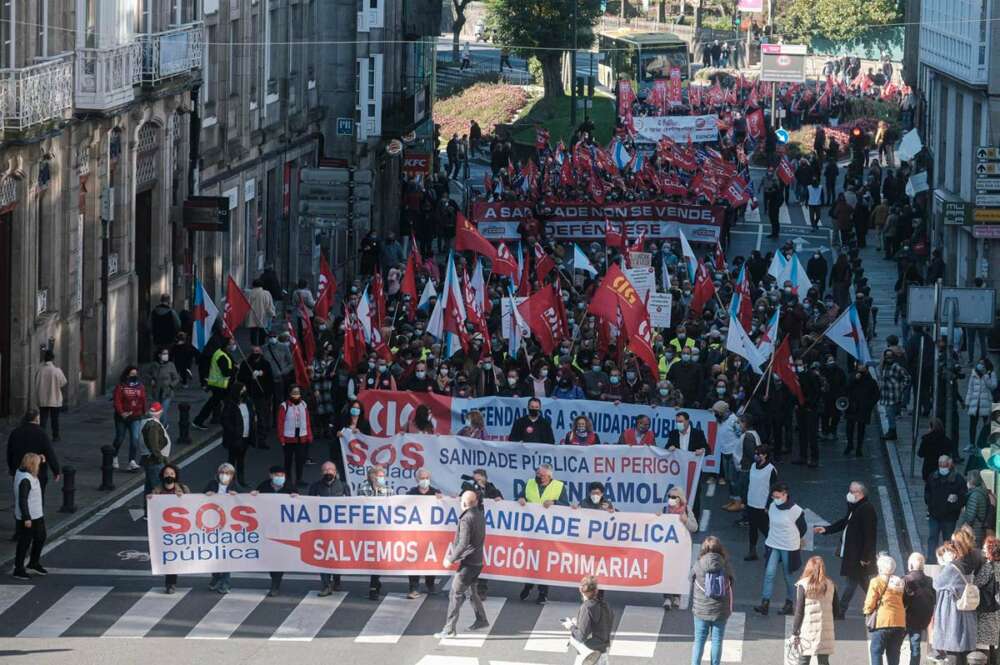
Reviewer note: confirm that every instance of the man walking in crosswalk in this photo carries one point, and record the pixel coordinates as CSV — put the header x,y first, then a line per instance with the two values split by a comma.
x,y
467,551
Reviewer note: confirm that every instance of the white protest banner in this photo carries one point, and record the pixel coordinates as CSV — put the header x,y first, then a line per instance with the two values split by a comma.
x,y
408,535
635,477
638,259
643,278
679,128
909,146
659,306
388,412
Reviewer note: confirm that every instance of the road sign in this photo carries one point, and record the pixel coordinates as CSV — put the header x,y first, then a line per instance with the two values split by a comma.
x,y
987,153
782,135
973,306
783,62
345,126
206,213
987,171
986,215
987,168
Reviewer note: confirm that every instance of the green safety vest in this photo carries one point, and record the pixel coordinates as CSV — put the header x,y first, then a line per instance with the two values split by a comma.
x,y
552,491
215,377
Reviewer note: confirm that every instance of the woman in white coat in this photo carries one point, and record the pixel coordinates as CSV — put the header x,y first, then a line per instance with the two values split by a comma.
x,y
979,398
815,609
678,505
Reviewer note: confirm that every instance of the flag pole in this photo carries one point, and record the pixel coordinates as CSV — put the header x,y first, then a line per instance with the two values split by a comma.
x,y
767,370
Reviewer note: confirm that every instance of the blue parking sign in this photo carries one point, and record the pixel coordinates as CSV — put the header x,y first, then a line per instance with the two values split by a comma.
x,y
345,126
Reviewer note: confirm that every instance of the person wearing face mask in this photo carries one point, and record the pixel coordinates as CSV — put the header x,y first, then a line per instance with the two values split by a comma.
x,y
532,427
954,631
682,340
239,428
862,394
807,417
155,448
420,382
256,374
858,543
944,495
467,552
541,384
836,387
918,601
728,441
566,387
677,505
685,437
129,400
221,369
375,485
979,399
384,380
329,485
816,270
582,434
885,601
595,379
545,490
275,484
422,488
688,377
641,434
223,483
294,435
483,378
615,390
761,476
169,483
596,500
278,354
162,378
786,527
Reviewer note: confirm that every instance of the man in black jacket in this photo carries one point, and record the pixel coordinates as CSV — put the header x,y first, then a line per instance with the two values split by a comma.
x,y
944,495
807,415
533,428
275,484
29,437
467,552
255,374
858,544
329,485
591,629
685,437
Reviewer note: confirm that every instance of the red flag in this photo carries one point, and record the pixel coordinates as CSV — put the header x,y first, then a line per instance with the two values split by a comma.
x,y
453,321
785,171
736,191
544,263
379,346
326,290
473,311
613,237
378,299
640,243
467,237
409,286
354,341
755,124
617,295
703,290
301,375
720,257
694,96
504,263
782,366
237,306
308,341
415,250
541,313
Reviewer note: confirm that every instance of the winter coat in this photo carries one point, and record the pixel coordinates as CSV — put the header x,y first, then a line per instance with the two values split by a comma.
x,y
48,387
814,623
860,539
936,493
261,308
988,623
975,512
131,399
162,379
954,630
979,393
885,596
703,607
932,446
232,426
918,599
862,396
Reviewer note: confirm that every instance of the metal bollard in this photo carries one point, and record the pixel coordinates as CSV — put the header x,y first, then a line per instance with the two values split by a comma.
x,y
68,490
184,424
107,470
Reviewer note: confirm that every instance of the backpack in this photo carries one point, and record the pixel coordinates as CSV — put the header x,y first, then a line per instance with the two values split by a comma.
x,y
969,600
715,587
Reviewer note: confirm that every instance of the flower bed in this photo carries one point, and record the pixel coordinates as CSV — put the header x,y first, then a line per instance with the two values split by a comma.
x,y
488,104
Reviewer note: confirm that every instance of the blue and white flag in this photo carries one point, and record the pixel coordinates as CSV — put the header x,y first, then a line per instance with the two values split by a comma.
x,y
581,262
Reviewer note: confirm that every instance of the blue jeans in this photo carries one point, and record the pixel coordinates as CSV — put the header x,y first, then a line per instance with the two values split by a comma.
x,y
153,476
914,638
937,530
886,641
132,430
702,628
774,558
221,581
732,475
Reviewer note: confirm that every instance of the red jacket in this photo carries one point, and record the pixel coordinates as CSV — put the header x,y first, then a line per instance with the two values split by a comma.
x,y
291,417
130,399
629,438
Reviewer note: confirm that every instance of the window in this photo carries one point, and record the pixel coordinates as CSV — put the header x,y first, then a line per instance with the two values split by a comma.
x,y
43,253
210,83
7,9
368,102
90,16
42,28
235,50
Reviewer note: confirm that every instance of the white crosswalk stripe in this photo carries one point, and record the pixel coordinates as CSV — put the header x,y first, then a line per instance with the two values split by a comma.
x,y
477,639
308,617
784,216
732,642
65,612
149,611
548,633
10,594
390,619
638,632
227,615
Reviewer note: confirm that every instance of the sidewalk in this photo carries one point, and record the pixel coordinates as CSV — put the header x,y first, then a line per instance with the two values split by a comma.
x,y
84,429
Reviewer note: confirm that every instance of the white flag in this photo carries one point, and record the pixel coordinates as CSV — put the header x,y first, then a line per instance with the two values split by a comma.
x,y
581,262
739,343
365,315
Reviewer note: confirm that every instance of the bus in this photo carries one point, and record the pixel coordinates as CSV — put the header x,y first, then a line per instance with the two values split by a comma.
x,y
642,57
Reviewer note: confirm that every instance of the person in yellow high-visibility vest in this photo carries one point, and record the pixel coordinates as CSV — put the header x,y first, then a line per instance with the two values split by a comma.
x,y
545,490
221,369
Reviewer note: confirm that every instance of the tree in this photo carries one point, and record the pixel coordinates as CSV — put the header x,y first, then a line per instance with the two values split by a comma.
x,y
544,29
837,20
456,27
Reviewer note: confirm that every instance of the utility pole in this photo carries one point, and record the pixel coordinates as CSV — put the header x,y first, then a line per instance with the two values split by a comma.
x,y
572,74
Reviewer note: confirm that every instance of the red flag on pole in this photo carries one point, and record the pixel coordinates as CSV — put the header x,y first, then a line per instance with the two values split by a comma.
x,y
782,366
378,299
237,306
703,290
785,171
308,341
720,257
541,313
467,237
408,287
354,341
612,236
755,124
326,290
504,263
544,264
301,375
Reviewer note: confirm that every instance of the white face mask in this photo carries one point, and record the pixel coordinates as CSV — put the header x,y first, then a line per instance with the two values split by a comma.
x,y
224,478
947,558
596,498
851,498
424,483
673,502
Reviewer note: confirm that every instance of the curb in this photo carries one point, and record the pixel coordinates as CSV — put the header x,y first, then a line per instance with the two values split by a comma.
x,y
122,489
903,495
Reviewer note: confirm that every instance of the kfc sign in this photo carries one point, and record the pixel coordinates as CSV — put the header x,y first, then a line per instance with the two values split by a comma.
x,y
417,165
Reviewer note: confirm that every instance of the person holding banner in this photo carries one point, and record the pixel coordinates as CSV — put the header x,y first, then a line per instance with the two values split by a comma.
x,y
582,434
640,435
678,505
547,491
590,631
224,483
375,486
329,485
595,499
467,552
170,483
294,434
275,484
533,428
423,488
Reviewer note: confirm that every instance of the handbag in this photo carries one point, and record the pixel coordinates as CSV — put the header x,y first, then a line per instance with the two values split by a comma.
x,y
793,650
871,619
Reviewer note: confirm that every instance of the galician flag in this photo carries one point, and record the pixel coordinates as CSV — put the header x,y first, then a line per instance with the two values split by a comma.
x,y
428,293
846,333
768,336
689,257
365,315
738,342
205,312
581,262
777,266
519,327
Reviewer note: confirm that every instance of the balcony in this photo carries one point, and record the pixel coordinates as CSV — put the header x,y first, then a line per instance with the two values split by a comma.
x,y
105,76
34,95
171,53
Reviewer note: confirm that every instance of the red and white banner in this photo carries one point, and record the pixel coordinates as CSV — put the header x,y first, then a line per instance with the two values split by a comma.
x,y
416,164
583,220
678,128
408,535
389,411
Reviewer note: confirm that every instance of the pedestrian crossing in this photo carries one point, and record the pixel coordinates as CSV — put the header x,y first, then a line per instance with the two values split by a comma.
x,y
641,630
